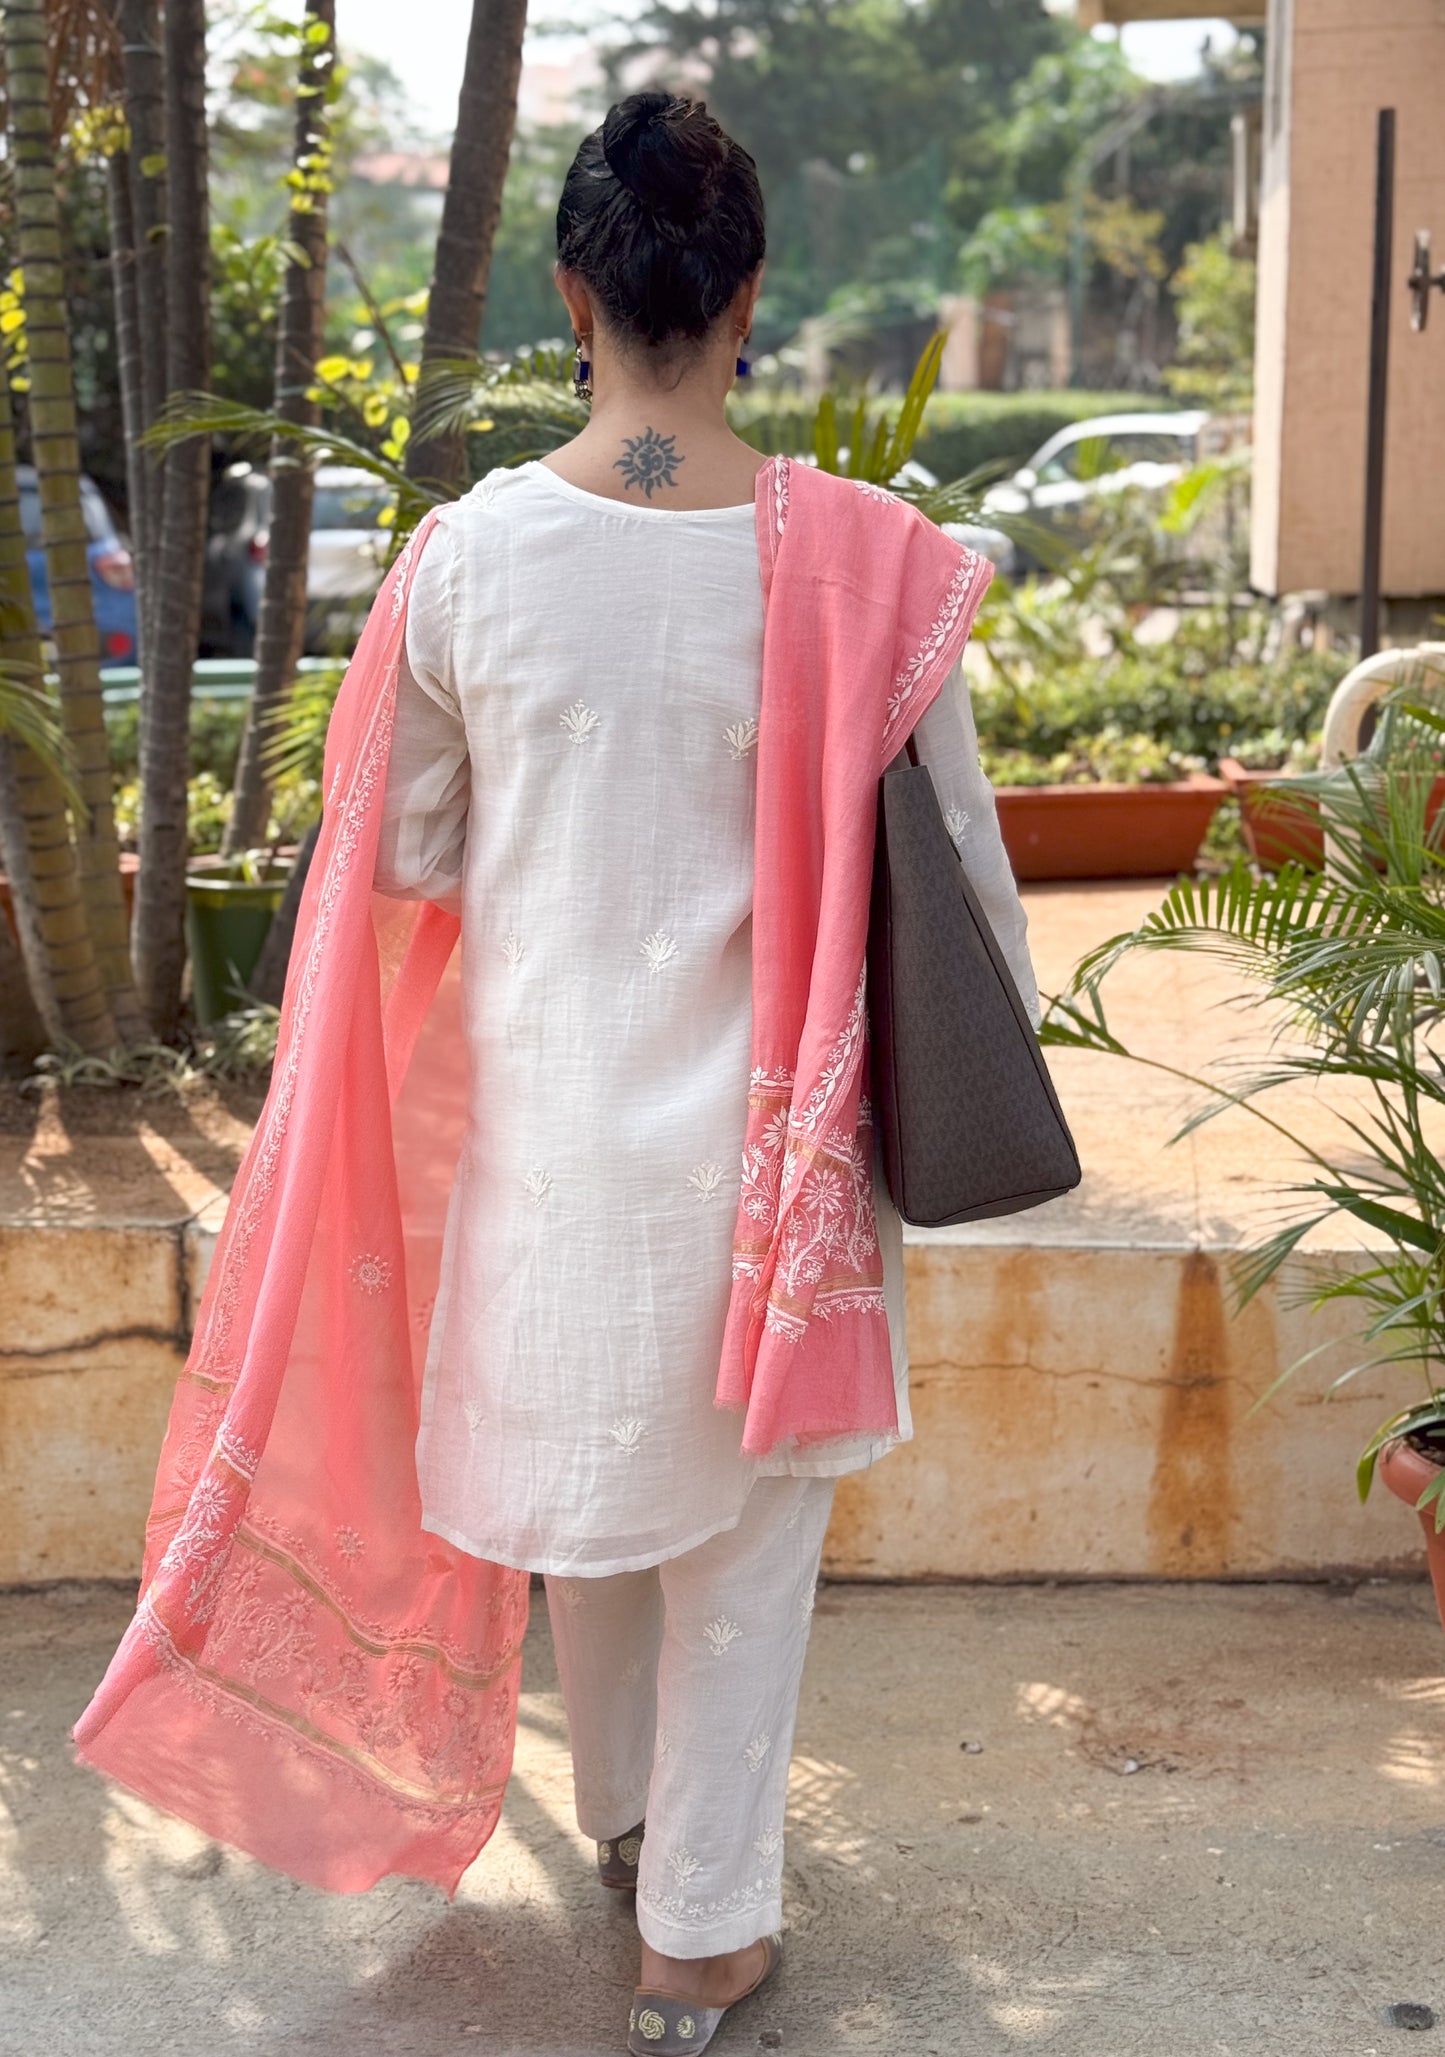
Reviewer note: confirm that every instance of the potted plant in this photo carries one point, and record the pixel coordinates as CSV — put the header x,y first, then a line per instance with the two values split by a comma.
x,y
1105,764
1355,958
1114,806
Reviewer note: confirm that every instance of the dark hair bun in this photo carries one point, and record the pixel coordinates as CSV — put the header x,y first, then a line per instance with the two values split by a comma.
x,y
668,152
661,214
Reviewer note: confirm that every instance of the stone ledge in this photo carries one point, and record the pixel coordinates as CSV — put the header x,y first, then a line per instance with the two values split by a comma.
x,y
1079,1412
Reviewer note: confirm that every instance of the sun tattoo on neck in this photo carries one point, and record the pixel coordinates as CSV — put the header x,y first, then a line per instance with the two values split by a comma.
x,y
650,461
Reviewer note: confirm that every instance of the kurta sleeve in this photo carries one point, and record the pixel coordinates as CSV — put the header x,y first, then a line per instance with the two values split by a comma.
x,y
948,744
428,780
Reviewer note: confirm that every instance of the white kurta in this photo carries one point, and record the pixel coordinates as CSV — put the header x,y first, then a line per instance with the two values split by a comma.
x,y
572,771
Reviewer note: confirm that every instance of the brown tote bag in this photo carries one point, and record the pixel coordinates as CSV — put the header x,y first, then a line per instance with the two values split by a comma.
x,y
970,1122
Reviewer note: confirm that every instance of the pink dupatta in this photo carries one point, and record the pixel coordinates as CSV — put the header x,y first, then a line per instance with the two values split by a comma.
x,y
868,607
309,1675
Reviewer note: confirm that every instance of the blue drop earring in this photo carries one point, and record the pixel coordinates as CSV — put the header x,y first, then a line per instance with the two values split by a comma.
x,y
582,371
743,369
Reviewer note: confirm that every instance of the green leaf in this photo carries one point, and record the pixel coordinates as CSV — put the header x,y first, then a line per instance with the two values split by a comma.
x,y
1404,1228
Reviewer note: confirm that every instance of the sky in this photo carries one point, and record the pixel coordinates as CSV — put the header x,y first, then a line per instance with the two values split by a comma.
x,y
428,65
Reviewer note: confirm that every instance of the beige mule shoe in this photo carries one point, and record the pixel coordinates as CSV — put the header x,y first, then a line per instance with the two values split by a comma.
x,y
662,2025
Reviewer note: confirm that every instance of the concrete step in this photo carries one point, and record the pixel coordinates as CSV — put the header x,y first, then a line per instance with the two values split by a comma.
x,y
1084,1396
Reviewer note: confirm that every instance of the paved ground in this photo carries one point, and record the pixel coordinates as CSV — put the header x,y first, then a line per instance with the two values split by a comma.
x,y
1204,1821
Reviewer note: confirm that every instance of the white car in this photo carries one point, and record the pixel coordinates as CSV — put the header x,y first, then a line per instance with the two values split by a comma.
x,y
1110,453
348,554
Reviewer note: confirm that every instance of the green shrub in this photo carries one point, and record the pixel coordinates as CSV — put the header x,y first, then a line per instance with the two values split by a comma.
x,y
1173,693
216,727
960,430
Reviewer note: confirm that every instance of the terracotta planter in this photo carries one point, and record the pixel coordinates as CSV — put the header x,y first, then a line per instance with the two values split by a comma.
x,y
1280,830
1106,832
1407,1472
1276,830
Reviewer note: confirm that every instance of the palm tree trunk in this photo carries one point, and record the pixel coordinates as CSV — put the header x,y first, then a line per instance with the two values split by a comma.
x,y
57,462
143,91
22,1033
486,119
281,624
50,913
121,220
158,930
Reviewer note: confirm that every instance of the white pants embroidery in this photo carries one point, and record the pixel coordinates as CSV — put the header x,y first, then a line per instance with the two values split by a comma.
x,y
681,1688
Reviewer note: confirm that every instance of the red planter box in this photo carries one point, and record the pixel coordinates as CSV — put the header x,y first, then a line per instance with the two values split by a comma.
x,y
1276,830
1106,832
1280,830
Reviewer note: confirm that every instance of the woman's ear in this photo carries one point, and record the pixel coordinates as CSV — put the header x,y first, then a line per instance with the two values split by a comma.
x,y
577,299
746,301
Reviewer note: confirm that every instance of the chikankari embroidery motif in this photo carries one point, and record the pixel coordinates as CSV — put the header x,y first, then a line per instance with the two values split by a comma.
x,y
956,822
911,675
349,1542
755,1756
809,1187
579,720
705,1179
769,1845
475,1414
741,737
371,1274
658,949
721,1635
512,949
627,1433
871,491
537,1185
701,1914
780,494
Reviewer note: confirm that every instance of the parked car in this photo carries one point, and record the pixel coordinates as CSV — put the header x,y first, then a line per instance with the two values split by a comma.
x,y
349,550
112,575
235,558
1110,453
347,557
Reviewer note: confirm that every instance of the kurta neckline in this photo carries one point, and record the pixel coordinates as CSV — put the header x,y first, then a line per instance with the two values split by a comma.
x,y
628,508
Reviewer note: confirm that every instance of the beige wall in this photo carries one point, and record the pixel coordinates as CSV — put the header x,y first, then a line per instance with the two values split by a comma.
x,y
1333,63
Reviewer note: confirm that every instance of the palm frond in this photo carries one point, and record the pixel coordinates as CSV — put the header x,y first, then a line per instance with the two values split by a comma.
x,y
29,715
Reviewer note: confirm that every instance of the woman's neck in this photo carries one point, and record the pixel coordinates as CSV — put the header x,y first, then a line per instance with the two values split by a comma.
x,y
660,446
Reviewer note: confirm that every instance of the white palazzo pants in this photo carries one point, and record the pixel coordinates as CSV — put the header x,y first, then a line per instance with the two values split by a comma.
x,y
681,1689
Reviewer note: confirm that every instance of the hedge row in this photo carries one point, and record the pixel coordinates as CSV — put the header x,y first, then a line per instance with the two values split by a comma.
x,y
960,430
